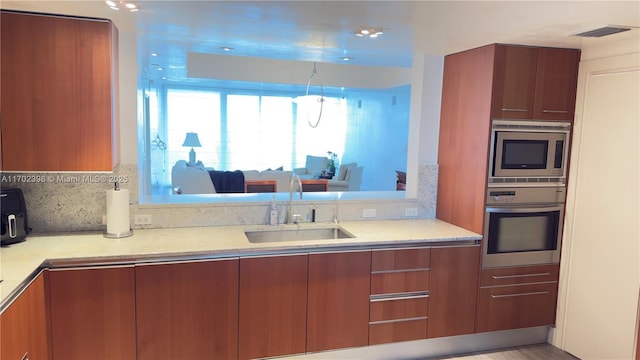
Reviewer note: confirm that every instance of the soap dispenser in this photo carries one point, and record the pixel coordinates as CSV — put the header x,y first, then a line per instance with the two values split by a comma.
x,y
273,213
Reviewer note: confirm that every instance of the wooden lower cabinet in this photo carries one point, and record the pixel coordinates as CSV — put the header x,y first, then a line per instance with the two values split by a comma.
x,y
399,301
453,290
93,313
517,297
399,282
187,310
272,306
23,325
520,306
338,300
386,309
402,318
396,331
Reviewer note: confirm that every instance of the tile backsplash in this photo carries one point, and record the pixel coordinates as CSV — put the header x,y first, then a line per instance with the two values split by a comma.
x,y
70,202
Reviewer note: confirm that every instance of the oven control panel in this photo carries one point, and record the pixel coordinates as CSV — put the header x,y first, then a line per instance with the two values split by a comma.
x,y
525,195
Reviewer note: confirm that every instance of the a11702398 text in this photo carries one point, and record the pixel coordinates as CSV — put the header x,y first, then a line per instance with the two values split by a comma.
x,y
64,178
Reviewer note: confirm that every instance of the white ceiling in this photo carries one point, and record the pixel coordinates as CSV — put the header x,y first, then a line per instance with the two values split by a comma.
x,y
322,31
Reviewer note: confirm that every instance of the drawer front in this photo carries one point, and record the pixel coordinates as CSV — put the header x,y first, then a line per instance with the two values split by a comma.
x,y
519,275
399,282
399,308
388,332
400,259
520,306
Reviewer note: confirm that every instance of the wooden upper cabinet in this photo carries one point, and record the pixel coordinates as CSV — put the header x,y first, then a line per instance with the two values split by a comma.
x,y
534,83
556,84
57,93
514,81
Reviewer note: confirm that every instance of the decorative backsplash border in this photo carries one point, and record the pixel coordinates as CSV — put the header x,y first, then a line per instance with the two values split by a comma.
x,y
71,202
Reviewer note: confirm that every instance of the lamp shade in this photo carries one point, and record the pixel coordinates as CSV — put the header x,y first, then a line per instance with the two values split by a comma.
x,y
192,140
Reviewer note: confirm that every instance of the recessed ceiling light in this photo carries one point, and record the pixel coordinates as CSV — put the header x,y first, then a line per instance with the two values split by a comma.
x,y
154,54
226,48
369,31
346,58
122,4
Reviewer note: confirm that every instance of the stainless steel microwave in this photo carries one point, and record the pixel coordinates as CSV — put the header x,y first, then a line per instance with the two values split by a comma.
x,y
528,152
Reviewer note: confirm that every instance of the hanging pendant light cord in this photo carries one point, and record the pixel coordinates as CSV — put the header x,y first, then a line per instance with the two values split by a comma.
x,y
313,74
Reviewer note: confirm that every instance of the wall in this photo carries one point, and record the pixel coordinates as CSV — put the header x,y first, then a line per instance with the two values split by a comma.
x,y
73,205
600,273
70,203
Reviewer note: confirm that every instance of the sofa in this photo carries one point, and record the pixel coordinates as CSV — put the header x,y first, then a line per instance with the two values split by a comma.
x,y
349,178
282,177
187,179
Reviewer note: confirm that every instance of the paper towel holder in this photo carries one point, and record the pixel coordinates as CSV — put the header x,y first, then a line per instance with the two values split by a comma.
x,y
119,235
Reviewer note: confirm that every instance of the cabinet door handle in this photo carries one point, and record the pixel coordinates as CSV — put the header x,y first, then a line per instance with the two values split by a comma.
x,y
519,294
555,111
507,109
499,277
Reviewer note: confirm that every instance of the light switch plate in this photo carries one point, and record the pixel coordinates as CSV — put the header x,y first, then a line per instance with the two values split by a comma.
x,y
411,212
142,219
369,213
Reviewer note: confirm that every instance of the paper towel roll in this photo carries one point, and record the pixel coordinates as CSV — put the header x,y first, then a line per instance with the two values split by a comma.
x,y
118,213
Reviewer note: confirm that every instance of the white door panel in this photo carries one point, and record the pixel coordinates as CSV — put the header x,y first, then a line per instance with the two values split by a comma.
x,y
603,220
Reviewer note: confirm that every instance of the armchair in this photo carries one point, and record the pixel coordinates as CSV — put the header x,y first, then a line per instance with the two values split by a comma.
x,y
313,167
349,178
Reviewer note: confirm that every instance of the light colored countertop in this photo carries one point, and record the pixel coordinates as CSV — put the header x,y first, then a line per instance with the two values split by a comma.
x,y
19,261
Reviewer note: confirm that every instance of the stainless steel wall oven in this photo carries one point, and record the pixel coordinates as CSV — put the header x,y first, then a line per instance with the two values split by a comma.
x,y
523,226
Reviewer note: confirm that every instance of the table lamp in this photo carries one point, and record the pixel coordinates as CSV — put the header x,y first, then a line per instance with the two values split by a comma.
x,y
192,141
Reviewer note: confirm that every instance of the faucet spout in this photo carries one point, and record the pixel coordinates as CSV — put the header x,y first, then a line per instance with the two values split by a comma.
x,y
294,179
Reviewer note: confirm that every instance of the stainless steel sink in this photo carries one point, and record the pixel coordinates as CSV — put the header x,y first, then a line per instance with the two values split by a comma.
x,y
297,234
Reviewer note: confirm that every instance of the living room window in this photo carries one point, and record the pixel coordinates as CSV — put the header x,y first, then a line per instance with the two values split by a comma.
x,y
257,126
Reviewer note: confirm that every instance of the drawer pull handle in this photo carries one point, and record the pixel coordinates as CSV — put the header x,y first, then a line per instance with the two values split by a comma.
x,y
507,109
555,111
520,294
399,270
376,298
499,277
398,320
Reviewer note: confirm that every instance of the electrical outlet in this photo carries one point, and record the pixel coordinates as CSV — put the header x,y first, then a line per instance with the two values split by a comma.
x,y
104,219
369,213
142,219
411,212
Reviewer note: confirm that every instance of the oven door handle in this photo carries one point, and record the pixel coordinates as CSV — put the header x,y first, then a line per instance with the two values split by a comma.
x,y
523,209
